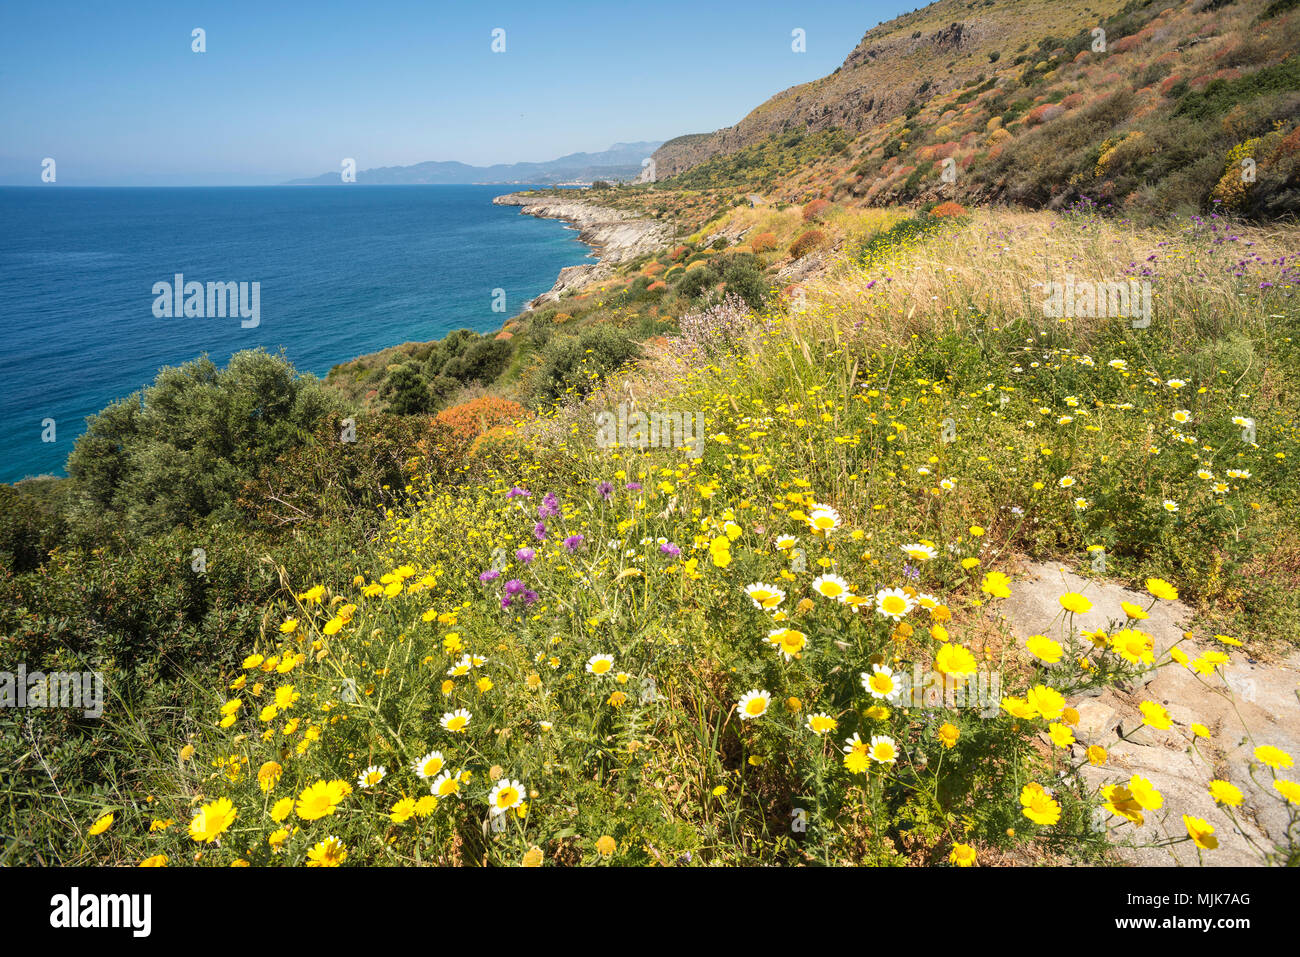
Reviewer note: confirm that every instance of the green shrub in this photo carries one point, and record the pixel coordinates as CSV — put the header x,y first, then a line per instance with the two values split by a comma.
x,y
482,362
1220,96
180,449
575,364
407,391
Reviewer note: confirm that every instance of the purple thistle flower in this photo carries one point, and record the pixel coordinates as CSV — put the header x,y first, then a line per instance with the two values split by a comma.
x,y
514,587
633,486
668,548
605,489
572,542
549,507
539,531
489,575
517,492
525,555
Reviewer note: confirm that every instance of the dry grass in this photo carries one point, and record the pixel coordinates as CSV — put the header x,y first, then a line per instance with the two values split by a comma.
x,y
996,265
991,265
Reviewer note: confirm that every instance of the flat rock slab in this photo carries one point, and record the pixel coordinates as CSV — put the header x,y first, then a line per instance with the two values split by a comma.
x,y
1250,703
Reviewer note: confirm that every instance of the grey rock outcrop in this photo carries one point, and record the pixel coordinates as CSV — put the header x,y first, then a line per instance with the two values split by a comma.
x,y
614,235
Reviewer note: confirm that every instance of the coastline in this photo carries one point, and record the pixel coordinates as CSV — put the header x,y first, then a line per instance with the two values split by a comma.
x,y
613,235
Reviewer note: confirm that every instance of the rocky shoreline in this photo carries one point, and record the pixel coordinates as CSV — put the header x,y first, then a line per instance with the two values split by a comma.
x,y
614,235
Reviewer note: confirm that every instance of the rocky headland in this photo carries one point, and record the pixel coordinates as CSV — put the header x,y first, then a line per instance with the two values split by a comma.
x,y
614,235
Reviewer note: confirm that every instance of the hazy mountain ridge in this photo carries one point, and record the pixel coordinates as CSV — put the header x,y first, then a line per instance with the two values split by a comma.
x,y
622,161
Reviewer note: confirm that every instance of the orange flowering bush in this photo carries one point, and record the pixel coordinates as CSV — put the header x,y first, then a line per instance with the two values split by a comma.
x,y
814,210
806,243
948,209
477,416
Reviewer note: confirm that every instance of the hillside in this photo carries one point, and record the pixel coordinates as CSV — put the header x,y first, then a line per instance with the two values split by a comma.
x,y
652,657
918,56
1150,106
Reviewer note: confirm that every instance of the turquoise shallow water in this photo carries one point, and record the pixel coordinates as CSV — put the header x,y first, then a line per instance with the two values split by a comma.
x,y
342,270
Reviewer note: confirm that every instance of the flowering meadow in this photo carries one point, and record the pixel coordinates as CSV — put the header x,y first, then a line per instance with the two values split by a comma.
x,y
568,654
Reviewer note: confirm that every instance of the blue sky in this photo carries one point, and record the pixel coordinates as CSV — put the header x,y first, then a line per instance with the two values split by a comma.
x,y
113,92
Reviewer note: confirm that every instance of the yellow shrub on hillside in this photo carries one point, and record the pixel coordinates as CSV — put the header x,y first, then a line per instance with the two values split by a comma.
x,y
1232,186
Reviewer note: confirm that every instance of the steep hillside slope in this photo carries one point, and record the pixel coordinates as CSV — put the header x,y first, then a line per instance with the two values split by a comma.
x,y
1151,106
918,55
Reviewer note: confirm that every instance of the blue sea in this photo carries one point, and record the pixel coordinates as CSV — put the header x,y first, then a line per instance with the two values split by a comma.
x,y
343,271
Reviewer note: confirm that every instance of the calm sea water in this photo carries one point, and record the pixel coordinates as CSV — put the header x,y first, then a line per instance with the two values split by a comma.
x,y
343,271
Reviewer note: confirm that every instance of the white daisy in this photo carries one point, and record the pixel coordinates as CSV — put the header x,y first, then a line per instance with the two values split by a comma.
x,y
370,776
599,665
894,603
753,704
445,785
883,749
788,641
506,795
880,683
823,519
831,586
764,596
819,722
457,720
429,765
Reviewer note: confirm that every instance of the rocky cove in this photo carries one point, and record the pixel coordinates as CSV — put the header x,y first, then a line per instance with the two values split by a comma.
x,y
614,235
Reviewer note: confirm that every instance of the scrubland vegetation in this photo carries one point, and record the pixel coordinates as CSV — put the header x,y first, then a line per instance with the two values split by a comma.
x,y
1158,119
480,637
420,612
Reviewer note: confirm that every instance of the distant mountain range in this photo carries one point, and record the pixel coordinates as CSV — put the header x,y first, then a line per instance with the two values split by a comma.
x,y
622,161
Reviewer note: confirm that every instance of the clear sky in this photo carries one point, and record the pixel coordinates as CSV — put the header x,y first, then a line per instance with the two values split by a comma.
x,y
113,92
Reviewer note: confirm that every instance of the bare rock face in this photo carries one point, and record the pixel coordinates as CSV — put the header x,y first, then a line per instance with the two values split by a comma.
x,y
614,235
1248,703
